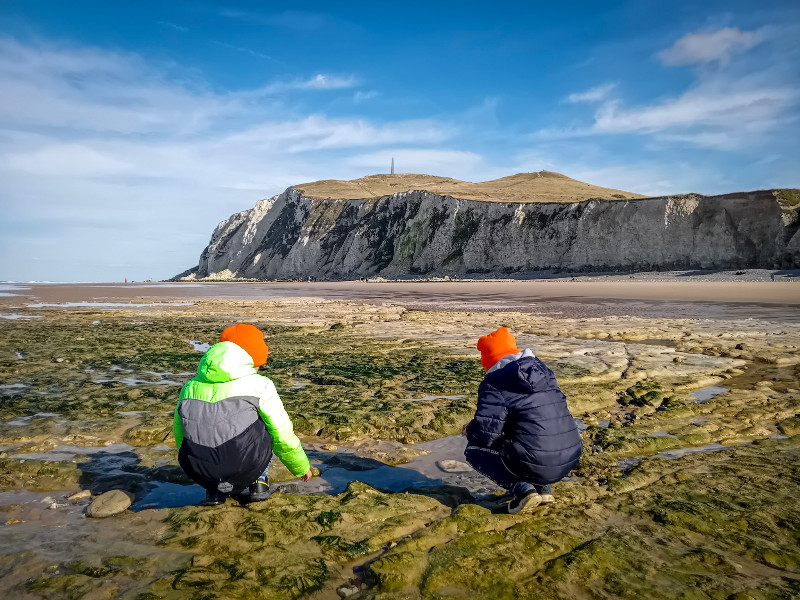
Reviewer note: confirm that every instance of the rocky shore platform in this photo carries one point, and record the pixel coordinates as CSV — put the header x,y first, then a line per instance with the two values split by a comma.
x,y
689,409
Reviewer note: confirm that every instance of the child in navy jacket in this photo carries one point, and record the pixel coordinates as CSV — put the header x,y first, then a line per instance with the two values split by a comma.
x,y
523,436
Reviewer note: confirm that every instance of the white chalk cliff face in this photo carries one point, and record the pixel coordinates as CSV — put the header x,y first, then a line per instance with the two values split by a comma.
x,y
419,233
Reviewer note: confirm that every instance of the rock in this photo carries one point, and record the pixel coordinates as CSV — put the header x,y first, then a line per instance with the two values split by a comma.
x,y
453,466
59,360
347,590
147,436
329,447
134,394
108,504
80,496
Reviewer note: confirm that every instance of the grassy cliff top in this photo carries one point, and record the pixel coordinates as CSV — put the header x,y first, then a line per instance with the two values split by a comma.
x,y
544,186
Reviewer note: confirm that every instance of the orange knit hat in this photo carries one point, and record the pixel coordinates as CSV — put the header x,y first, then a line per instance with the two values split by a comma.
x,y
495,346
250,338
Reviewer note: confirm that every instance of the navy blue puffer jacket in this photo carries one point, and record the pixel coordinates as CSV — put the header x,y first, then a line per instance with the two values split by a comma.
x,y
523,414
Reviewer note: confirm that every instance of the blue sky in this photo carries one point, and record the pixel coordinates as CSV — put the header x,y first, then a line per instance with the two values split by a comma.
x,y
128,130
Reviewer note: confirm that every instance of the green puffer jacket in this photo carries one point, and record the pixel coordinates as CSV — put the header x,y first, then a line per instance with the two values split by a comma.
x,y
226,372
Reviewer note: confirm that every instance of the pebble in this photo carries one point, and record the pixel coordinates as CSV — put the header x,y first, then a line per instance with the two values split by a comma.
x,y
453,466
108,504
347,590
79,496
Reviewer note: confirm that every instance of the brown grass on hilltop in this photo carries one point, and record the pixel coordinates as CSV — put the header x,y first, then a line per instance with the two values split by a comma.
x,y
544,186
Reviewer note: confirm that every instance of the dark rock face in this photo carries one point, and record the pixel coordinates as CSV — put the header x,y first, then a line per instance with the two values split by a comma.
x,y
422,234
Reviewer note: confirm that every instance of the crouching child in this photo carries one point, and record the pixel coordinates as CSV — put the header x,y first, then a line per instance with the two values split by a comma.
x,y
229,421
523,436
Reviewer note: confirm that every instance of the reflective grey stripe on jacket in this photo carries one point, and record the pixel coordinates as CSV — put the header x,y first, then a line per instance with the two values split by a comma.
x,y
212,424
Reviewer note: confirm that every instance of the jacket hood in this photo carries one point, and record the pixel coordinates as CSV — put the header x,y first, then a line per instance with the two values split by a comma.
x,y
524,375
223,362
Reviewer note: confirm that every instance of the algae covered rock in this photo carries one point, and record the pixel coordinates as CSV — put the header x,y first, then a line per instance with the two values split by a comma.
x,y
109,504
286,547
682,529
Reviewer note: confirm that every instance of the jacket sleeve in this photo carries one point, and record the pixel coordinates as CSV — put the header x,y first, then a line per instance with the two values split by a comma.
x,y
284,442
486,427
177,428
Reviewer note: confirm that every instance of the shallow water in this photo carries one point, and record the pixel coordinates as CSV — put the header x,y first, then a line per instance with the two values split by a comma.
x,y
163,494
106,304
626,464
8,289
341,467
655,434
52,532
133,382
200,346
681,452
65,452
706,394
17,316
429,397
11,388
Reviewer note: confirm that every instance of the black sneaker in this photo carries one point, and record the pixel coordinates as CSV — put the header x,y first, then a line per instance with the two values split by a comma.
x,y
259,491
213,498
525,503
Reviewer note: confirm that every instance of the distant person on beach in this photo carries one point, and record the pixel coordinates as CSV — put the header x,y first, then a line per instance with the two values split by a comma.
x,y
523,436
229,419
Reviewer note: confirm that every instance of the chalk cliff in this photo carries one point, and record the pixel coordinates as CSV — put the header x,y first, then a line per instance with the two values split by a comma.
x,y
415,225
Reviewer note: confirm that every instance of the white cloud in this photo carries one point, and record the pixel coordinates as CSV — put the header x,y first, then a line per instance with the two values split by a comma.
x,y
244,50
699,48
319,82
718,117
89,89
595,94
729,107
322,81
170,25
70,159
361,96
102,91
317,132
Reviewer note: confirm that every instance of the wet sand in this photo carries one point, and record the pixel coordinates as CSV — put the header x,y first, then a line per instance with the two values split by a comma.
x,y
584,298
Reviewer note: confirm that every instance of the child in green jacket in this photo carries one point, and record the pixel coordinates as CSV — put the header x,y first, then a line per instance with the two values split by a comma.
x,y
229,420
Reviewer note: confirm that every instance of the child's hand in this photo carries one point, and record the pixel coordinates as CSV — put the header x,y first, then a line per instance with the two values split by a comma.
x,y
307,476
464,429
